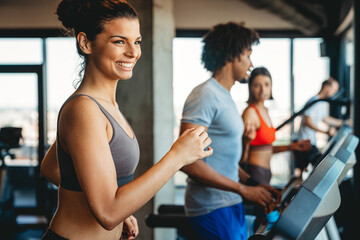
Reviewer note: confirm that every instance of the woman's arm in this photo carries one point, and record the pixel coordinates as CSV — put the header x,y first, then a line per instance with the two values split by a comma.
x,y
83,135
251,123
244,176
248,136
49,166
302,145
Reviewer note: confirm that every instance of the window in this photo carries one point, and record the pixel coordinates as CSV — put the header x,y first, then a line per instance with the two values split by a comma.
x,y
310,70
272,53
21,51
19,101
19,96
63,66
18,108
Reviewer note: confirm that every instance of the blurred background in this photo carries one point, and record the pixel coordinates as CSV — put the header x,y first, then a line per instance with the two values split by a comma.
x,y
303,42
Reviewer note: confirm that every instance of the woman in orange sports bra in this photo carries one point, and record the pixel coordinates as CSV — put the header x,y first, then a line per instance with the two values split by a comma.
x,y
260,134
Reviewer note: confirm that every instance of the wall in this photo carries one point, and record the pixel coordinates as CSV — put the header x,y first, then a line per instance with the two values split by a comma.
x,y
189,14
202,14
28,14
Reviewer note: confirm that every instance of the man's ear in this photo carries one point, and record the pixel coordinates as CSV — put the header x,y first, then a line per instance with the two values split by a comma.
x,y
84,43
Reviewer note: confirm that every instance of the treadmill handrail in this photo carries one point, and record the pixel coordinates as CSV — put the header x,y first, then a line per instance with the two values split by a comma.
x,y
331,100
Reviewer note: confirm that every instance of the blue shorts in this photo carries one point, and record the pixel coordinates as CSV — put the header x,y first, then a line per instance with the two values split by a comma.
x,y
224,223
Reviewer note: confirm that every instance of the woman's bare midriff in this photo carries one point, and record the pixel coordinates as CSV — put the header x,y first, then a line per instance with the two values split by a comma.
x,y
260,157
74,220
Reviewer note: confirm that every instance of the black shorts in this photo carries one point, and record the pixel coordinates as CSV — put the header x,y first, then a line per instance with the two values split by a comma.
x,y
302,159
50,235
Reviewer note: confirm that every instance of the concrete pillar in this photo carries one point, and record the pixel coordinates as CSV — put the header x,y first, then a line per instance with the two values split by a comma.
x,y
147,100
135,99
163,34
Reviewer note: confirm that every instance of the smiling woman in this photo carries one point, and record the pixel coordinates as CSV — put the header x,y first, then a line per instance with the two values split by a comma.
x,y
96,151
116,50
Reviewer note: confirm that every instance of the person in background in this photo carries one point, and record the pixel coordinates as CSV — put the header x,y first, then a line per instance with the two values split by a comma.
x,y
96,151
310,124
214,195
258,151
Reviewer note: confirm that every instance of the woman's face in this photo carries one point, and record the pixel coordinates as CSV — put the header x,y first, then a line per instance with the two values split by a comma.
x,y
115,51
261,88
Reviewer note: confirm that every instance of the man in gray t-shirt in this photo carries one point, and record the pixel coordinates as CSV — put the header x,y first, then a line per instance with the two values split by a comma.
x,y
211,105
213,199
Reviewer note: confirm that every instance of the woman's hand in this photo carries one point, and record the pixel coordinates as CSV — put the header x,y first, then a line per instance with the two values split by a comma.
x,y
191,145
130,229
302,145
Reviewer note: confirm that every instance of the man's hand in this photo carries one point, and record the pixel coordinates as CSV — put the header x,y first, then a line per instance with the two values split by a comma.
x,y
331,131
260,195
275,194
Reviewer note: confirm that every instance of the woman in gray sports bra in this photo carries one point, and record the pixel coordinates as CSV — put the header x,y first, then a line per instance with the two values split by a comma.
x,y
96,151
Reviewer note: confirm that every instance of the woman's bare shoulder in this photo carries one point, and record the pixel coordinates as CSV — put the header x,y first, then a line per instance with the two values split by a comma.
x,y
80,107
80,114
249,112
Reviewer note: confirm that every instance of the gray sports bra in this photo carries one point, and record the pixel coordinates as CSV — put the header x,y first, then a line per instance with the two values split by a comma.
x,y
124,150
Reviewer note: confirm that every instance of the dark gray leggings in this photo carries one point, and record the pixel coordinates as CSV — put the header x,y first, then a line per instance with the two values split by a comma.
x,y
51,235
260,174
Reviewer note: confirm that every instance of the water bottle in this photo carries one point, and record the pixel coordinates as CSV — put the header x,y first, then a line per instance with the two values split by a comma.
x,y
271,218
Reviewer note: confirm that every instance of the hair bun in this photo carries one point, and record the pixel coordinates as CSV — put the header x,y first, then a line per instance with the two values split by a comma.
x,y
68,12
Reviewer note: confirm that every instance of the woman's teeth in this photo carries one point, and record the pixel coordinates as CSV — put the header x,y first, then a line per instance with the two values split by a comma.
x,y
125,64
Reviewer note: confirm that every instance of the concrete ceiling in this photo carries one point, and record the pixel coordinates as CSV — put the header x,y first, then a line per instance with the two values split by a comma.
x,y
308,16
203,14
311,17
188,14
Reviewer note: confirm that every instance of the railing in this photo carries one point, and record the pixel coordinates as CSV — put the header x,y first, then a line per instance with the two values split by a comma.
x,y
334,100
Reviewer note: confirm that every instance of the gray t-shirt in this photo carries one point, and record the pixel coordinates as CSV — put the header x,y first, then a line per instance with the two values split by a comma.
x,y
317,113
211,105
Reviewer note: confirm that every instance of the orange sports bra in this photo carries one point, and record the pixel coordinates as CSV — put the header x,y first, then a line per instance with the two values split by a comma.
x,y
265,135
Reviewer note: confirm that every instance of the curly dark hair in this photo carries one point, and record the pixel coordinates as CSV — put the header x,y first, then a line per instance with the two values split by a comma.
x,y
225,42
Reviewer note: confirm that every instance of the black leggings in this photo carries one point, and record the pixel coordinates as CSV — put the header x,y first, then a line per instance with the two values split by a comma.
x,y
50,235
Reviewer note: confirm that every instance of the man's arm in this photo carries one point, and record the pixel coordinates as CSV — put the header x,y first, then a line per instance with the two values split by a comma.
x,y
333,121
309,123
202,172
